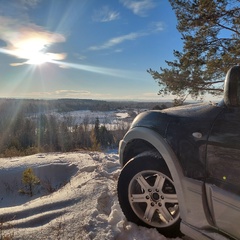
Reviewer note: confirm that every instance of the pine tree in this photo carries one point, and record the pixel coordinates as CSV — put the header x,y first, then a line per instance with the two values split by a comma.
x,y
30,180
97,130
211,45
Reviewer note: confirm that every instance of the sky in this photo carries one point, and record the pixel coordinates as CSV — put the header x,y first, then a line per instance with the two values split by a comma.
x,y
87,49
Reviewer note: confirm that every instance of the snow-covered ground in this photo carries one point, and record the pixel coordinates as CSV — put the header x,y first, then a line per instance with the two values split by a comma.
x,y
108,118
77,199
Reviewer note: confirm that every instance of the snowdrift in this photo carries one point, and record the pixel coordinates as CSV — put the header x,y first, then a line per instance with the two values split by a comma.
x,y
76,199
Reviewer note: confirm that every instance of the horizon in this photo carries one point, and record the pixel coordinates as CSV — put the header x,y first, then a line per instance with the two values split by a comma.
x,y
168,100
90,99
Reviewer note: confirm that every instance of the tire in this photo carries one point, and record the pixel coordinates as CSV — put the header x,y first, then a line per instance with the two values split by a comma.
x,y
147,195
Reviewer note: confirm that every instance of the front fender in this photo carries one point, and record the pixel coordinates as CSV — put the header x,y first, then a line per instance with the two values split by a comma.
x,y
189,191
161,146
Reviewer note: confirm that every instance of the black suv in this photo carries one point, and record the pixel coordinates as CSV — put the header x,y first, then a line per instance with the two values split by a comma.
x,y
181,168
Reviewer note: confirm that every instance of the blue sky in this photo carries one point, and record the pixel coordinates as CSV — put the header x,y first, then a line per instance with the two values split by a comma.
x,y
97,49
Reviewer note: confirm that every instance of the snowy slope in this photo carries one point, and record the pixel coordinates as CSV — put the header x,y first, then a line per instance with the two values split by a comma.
x,y
83,204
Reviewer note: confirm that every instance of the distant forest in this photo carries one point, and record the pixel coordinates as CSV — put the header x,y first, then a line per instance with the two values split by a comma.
x,y
29,106
23,135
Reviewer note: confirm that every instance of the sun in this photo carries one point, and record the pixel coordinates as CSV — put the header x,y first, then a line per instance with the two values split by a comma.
x,y
33,50
37,58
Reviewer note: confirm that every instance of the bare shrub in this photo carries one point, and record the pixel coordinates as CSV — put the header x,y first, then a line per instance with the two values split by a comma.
x,y
6,230
48,186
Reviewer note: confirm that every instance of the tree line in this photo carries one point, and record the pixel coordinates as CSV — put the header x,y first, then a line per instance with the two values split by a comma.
x,y
28,126
30,106
20,135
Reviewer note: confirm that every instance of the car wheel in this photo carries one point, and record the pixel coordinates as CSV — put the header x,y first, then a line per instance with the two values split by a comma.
x,y
147,194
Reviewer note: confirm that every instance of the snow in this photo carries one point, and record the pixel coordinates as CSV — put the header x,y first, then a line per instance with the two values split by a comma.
x,y
76,199
106,117
110,119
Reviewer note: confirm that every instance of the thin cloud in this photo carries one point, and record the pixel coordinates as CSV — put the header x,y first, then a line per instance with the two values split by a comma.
x,y
105,14
118,40
25,39
77,94
31,3
18,9
118,50
150,95
140,7
80,56
70,92
65,94
154,28
157,27
58,94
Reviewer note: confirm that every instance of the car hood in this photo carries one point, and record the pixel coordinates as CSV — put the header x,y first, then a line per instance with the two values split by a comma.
x,y
193,114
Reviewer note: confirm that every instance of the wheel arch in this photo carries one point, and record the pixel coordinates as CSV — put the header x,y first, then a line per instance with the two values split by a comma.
x,y
150,140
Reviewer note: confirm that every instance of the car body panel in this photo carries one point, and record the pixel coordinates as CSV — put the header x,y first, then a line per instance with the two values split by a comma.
x,y
223,171
178,125
225,208
188,133
201,234
223,151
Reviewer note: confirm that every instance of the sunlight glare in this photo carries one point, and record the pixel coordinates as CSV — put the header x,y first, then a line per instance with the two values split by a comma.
x,y
32,49
102,70
31,44
38,58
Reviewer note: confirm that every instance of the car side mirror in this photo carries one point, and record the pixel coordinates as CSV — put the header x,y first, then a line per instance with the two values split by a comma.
x,y
232,87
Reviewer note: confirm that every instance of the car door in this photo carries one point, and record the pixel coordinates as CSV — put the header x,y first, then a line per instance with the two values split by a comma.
x,y
223,171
